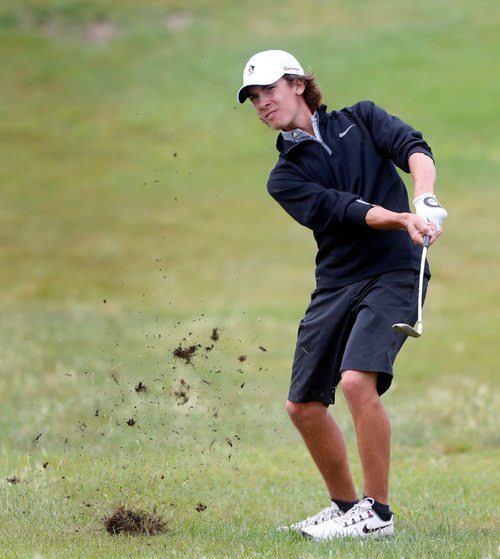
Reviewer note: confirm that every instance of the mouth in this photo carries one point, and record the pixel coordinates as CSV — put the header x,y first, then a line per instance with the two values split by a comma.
x,y
268,117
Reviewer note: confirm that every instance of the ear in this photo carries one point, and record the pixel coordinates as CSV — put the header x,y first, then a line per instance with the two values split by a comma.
x,y
300,86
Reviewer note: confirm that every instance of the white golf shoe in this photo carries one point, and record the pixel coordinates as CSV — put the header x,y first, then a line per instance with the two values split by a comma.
x,y
330,513
359,522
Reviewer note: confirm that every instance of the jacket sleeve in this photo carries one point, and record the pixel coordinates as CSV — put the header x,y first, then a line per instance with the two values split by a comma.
x,y
394,138
311,204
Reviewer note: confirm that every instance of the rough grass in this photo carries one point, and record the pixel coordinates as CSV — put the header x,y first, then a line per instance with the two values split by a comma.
x,y
135,222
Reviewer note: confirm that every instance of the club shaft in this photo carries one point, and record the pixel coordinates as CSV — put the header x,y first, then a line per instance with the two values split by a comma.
x,y
421,286
421,283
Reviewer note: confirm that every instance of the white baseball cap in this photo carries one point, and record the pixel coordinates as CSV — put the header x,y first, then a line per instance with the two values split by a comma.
x,y
267,67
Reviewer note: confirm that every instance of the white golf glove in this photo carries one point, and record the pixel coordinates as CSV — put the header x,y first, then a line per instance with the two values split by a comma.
x,y
427,206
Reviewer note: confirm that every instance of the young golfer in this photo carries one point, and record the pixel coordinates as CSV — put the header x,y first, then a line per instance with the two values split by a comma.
x,y
336,175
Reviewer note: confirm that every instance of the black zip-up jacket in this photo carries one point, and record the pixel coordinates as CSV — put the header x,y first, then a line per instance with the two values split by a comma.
x,y
329,186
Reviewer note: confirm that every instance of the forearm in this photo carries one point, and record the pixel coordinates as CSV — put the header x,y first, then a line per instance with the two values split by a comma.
x,y
423,173
380,218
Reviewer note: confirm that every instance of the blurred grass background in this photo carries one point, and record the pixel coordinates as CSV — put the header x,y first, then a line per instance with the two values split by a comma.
x,y
134,219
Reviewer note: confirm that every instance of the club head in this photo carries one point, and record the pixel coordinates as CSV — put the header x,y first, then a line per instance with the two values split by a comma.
x,y
407,330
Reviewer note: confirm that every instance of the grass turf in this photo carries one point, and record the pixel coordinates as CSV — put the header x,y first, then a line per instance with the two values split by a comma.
x,y
134,221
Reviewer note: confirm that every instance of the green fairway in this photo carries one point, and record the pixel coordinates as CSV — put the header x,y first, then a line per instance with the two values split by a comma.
x,y
136,229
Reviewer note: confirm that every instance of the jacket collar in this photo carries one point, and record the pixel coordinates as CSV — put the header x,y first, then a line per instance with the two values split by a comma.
x,y
287,140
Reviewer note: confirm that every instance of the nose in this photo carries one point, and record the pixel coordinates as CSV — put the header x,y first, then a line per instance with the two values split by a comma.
x,y
263,101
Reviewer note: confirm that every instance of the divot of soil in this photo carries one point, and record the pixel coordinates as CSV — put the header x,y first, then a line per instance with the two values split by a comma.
x,y
134,522
215,334
186,353
141,387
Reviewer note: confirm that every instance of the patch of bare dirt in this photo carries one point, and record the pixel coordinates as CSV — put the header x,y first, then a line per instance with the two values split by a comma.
x,y
96,32
177,20
100,32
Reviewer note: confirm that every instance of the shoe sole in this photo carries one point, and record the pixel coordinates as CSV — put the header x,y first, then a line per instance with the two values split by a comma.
x,y
376,535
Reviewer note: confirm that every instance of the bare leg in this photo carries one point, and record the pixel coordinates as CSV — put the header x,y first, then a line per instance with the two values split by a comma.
x,y
326,445
373,431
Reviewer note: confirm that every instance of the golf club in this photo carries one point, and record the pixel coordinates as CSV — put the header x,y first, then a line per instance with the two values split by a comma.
x,y
406,328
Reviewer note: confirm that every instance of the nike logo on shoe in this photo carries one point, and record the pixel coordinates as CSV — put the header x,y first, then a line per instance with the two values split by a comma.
x,y
342,134
367,530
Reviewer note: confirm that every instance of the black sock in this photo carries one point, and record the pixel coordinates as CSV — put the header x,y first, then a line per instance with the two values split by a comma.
x,y
344,506
383,511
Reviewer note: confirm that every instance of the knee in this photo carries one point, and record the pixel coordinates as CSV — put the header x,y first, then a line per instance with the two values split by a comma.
x,y
359,388
294,410
305,414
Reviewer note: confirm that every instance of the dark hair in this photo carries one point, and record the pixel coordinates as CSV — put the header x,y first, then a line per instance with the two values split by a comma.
x,y
312,93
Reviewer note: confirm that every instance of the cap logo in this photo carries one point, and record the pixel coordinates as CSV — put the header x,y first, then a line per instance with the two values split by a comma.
x,y
251,69
290,68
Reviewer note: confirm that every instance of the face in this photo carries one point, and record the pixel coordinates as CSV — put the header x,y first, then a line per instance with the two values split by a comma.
x,y
281,104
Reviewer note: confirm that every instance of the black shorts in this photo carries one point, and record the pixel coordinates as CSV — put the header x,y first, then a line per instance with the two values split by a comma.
x,y
350,327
